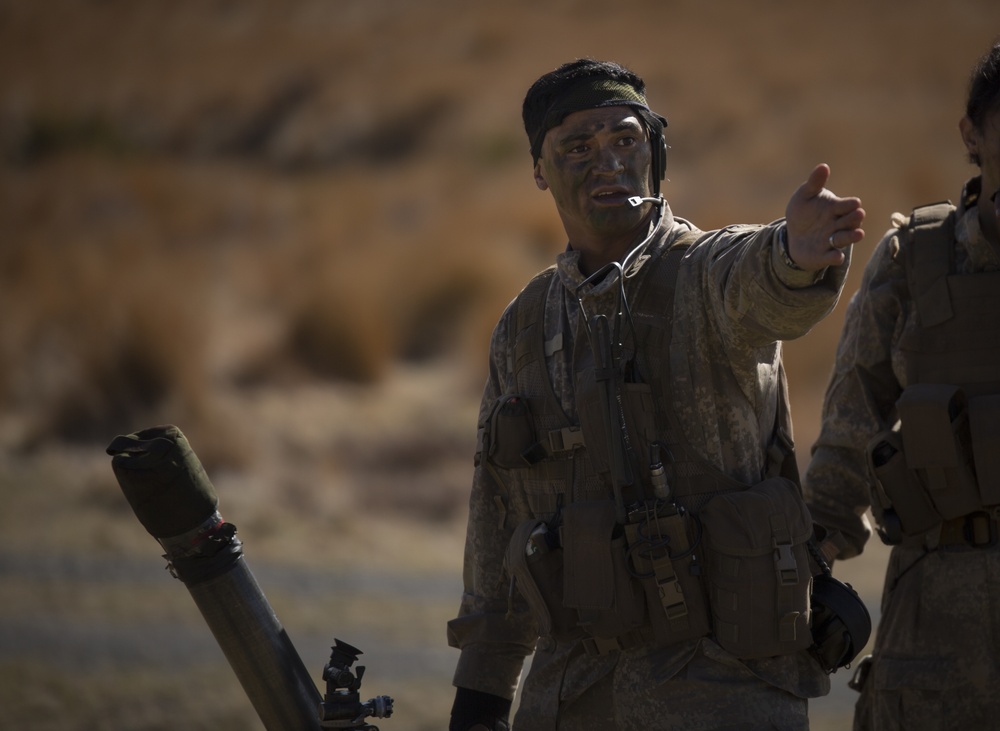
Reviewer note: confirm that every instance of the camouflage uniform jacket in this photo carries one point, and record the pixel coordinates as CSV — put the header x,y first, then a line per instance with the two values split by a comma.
x,y
736,299
936,662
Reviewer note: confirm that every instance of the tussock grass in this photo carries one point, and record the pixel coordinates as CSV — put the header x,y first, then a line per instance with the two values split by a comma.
x,y
102,335
137,294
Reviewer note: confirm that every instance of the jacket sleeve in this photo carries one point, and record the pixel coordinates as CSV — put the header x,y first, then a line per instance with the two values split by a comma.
x,y
736,301
859,401
758,297
493,641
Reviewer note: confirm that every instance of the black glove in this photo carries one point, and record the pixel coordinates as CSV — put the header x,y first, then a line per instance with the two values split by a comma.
x,y
473,706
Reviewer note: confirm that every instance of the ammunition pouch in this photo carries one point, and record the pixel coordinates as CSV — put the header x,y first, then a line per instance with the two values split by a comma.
x,y
927,472
576,582
535,562
662,543
984,430
645,585
900,505
614,590
510,432
597,583
758,573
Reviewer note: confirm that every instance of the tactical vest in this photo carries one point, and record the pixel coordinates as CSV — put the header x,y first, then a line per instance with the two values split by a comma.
x,y
943,462
718,557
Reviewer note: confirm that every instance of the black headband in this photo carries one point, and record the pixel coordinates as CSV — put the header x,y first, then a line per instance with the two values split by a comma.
x,y
591,93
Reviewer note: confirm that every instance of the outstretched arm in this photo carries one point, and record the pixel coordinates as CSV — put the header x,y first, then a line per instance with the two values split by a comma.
x,y
821,223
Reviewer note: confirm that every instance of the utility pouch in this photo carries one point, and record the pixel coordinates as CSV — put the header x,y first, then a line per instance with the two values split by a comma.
x,y
984,424
934,422
597,582
900,505
758,573
535,562
663,552
511,432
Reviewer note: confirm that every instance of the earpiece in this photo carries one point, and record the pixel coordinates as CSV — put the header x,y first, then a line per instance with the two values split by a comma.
x,y
655,124
661,158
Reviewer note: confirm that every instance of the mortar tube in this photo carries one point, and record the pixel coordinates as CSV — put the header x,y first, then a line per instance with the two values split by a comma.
x,y
174,500
246,628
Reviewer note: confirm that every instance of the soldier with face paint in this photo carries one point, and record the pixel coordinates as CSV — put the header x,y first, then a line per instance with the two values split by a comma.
x,y
910,430
633,455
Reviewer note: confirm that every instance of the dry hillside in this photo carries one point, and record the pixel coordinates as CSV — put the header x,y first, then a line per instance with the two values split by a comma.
x,y
288,228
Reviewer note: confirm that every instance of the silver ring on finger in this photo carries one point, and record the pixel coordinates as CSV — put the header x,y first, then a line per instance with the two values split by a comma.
x,y
832,245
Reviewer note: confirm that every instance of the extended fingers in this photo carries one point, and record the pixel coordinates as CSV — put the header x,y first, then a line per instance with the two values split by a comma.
x,y
846,206
847,228
852,218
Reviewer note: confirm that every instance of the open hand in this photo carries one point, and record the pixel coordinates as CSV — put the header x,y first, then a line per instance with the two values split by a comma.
x,y
820,224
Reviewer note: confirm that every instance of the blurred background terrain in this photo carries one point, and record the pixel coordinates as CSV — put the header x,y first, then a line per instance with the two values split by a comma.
x,y
289,227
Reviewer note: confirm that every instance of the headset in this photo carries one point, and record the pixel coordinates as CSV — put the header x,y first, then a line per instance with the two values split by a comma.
x,y
655,124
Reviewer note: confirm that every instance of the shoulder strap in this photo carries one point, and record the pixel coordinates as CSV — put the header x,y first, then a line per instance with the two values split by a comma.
x,y
781,452
928,258
658,287
529,314
528,370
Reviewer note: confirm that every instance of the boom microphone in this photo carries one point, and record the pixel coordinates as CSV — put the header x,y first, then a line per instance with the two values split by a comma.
x,y
637,200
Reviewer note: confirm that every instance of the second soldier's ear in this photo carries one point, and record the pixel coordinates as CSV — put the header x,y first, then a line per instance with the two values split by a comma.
x,y
971,138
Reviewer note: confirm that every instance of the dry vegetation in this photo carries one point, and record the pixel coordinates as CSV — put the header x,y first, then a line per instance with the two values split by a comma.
x,y
289,227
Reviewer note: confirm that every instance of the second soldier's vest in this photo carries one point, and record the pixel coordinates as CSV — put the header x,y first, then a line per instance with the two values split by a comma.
x,y
943,463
